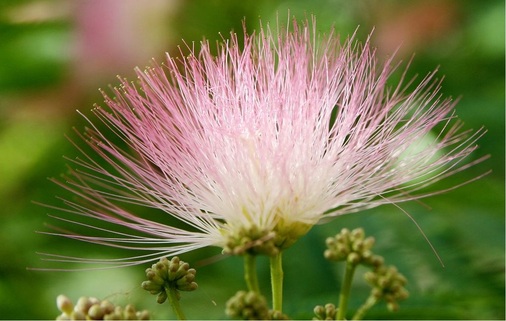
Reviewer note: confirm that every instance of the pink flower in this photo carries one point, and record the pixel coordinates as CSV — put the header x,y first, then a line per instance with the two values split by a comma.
x,y
251,148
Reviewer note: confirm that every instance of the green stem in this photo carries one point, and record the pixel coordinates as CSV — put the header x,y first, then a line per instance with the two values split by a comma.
x,y
345,291
277,282
174,303
371,301
250,273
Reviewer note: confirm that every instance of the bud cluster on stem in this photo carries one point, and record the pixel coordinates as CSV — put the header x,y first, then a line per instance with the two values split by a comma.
x,y
166,278
353,247
387,283
327,312
90,308
165,275
251,306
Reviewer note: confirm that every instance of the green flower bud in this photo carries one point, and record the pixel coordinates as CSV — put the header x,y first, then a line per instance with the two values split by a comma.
x,y
96,312
162,297
107,306
83,305
151,287
327,312
142,315
77,315
155,277
319,310
130,313
353,258
357,234
64,304
393,306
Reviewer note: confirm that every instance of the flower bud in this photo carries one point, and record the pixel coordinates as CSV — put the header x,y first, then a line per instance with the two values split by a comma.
x,y
328,312
162,297
77,315
96,312
83,305
64,304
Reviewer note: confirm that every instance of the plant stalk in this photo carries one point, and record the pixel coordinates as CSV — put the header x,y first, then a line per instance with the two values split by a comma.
x,y
174,303
359,315
250,273
345,291
277,282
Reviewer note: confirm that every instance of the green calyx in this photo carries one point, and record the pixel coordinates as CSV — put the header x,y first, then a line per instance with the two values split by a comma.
x,y
169,276
289,232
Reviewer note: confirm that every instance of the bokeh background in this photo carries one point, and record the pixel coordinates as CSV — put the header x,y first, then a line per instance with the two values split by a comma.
x,y
55,54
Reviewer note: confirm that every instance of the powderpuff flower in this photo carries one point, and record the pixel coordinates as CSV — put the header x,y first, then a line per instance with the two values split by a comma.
x,y
249,148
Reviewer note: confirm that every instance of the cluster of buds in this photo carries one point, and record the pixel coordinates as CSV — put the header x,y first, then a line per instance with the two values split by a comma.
x,y
247,306
251,306
94,309
387,284
252,241
327,312
353,247
167,275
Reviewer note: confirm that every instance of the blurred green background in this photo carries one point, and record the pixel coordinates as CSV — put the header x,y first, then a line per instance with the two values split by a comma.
x,y
55,54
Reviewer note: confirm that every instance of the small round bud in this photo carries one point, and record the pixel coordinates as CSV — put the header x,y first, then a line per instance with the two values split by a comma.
x,y
357,234
129,313
143,315
327,312
107,306
78,315
393,306
64,304
83,305
63,317
353,258
319,310
162,297
96,312
368,243
151,286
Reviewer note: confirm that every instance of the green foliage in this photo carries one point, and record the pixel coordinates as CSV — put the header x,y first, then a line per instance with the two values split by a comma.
x,y
466,226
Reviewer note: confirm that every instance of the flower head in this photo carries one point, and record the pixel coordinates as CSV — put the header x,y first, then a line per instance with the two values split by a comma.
x,y
249,148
